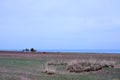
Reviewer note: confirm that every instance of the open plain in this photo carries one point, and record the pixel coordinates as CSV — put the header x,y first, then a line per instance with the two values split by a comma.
x,y
31,65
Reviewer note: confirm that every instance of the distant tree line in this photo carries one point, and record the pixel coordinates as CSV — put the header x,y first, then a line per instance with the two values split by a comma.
x,y
29,50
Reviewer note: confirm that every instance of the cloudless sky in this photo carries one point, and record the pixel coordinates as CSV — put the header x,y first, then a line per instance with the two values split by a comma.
x,y
60,24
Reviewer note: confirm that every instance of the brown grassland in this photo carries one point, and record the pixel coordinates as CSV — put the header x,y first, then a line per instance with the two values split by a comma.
x,y
58,66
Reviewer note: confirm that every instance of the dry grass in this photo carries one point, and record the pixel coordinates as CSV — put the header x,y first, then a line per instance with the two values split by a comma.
x,y
29,66
49,69
88,65
83,65
57,63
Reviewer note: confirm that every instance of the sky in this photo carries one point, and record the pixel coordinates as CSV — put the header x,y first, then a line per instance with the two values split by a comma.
x,y
60,24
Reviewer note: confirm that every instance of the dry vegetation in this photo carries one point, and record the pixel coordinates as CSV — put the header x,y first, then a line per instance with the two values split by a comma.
x,y
59,66
57,63
78,65
88,65
49,69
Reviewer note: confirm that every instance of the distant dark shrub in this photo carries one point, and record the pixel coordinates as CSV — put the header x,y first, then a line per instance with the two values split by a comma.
x,y
33,50
26,50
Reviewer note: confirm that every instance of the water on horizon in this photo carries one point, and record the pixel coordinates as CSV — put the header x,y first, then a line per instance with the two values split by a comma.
x,y
88,51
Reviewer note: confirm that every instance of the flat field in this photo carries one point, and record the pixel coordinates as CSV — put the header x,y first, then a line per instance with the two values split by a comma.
x,y
29,66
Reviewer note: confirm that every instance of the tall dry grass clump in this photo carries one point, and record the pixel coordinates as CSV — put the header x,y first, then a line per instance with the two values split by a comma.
x,y
57,63
88,65
49,69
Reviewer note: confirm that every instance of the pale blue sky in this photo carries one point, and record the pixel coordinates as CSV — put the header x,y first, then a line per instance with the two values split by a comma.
x,y
60,24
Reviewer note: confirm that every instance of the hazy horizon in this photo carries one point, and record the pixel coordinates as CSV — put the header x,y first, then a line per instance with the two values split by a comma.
x,y
117,51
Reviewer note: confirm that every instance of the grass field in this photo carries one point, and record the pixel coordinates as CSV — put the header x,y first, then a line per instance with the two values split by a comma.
x,y
29,66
